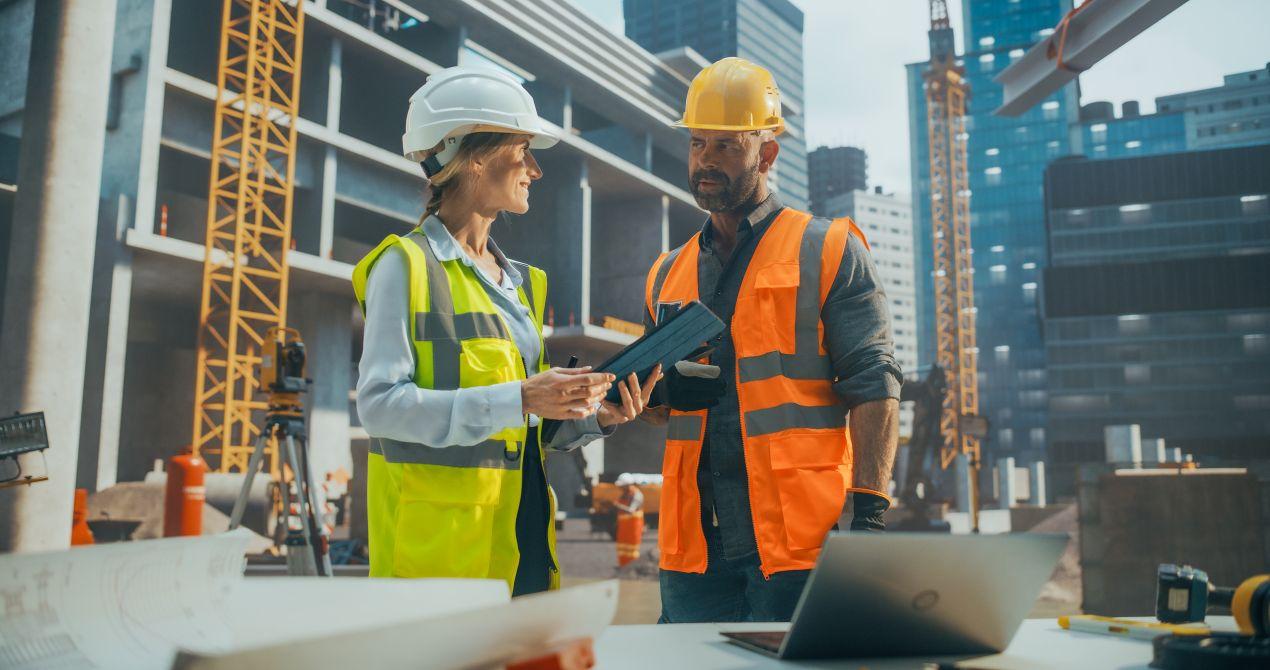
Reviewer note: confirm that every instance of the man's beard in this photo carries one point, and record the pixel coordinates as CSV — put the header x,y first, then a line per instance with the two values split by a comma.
x,y
731,196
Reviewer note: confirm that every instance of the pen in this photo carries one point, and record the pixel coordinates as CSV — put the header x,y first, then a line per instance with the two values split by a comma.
x,y
1142,630
550,426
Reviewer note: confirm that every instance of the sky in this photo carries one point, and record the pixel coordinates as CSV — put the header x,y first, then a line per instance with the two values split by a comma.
x,y
855,51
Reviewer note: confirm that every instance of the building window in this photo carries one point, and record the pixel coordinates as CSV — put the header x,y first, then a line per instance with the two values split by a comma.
x,y
997,248
1006,437
987,41
992,152
1002,353
1029,266
1037,437
1133,324
993,175
1016,53
1137,374
1132,144
1254,204
1050,109
1256,344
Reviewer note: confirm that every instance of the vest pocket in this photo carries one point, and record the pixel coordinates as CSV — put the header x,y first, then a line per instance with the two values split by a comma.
x,y
768,313
671,499
485,362
445,521
808,471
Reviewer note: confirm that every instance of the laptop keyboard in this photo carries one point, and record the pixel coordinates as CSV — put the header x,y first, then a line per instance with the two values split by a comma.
x,y
770,640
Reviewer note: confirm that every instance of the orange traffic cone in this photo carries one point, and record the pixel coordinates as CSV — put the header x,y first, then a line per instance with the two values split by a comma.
x,y
80,532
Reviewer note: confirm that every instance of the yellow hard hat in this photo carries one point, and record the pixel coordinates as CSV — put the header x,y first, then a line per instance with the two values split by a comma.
x,y
733,94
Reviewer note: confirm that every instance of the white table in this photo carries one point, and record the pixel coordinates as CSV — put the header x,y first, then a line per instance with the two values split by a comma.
x,y
1040,643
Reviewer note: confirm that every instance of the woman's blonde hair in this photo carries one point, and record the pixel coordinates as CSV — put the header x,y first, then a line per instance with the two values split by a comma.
x,y
474,147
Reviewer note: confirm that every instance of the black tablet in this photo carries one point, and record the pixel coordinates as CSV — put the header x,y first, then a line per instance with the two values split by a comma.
x,y
667,343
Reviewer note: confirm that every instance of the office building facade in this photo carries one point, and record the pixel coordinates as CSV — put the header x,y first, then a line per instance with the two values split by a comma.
x,y
1105,135
1006,161
1237,113
887,223
1157,304
835,170
613,196
767,32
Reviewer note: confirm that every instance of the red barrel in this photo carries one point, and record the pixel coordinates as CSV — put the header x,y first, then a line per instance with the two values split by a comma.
x,y
80,532
184,496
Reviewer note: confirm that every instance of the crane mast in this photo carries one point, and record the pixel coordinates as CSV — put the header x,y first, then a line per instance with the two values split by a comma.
x,y
956,352
245,268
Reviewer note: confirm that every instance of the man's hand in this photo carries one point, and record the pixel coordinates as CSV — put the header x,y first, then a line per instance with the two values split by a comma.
x,y
689,387
866,511
634,400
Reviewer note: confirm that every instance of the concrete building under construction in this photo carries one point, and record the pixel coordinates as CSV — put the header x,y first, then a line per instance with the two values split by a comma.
x,y
612,197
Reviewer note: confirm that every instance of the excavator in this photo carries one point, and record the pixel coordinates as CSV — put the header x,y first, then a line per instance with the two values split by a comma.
x,y
925,484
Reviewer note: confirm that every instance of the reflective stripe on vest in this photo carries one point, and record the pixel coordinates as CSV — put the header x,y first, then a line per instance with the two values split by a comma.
x,y
486,454
797,451
450,511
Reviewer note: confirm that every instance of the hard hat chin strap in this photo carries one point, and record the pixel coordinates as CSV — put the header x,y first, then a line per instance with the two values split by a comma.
x,y
431,166
434,163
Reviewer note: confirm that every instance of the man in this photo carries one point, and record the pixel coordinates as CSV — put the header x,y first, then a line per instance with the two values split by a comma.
x,y
630,520
759,458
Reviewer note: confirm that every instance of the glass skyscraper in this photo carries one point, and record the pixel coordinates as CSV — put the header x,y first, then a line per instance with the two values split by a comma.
x,y
767,32
1007,157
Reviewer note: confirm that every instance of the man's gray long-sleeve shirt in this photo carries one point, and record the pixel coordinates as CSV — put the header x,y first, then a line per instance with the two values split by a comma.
x,y
857,331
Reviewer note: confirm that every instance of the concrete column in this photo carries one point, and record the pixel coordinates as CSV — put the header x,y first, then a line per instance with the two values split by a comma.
x,y
334,94
147,178
567,113
129,173
49,285
101,424
1007,494
665,223
323,322
964,482
1123,444
1154,451
1038,484
555,234
627,239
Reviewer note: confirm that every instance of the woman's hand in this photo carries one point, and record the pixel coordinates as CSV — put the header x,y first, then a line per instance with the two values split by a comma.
x,y
634,400
564,393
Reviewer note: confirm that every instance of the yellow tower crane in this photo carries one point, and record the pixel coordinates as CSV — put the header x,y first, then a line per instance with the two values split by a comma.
x,y
956,352
248,224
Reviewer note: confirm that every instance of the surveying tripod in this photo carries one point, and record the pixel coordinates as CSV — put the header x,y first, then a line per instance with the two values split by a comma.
x,y
282,373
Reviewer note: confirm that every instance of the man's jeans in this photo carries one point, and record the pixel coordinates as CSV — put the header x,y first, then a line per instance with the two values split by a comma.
x,y
729,590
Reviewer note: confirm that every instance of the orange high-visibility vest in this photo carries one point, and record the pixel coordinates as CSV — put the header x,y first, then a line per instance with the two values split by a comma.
x,y
797,450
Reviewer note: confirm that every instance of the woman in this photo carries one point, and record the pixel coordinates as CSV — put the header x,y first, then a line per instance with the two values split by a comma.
x,y
453,380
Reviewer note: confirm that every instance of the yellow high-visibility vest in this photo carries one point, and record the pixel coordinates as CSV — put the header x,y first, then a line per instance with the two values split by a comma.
x,y
451,511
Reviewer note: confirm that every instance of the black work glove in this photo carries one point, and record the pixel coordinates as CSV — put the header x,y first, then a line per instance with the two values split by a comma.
x,y
689,387
866,512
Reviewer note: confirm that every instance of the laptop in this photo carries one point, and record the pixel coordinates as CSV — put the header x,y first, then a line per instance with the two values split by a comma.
x,y
913,594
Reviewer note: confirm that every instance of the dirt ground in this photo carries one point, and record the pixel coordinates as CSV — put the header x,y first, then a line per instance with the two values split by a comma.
x,y
587,557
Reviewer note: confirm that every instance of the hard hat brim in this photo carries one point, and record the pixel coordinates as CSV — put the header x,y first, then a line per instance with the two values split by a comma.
x,y
541,137
778,128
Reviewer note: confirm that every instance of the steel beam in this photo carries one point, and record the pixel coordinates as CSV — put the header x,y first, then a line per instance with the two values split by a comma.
x,y
1097,29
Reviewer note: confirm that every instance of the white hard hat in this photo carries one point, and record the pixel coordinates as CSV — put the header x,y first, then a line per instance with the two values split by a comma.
x,y
460,100
624,479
